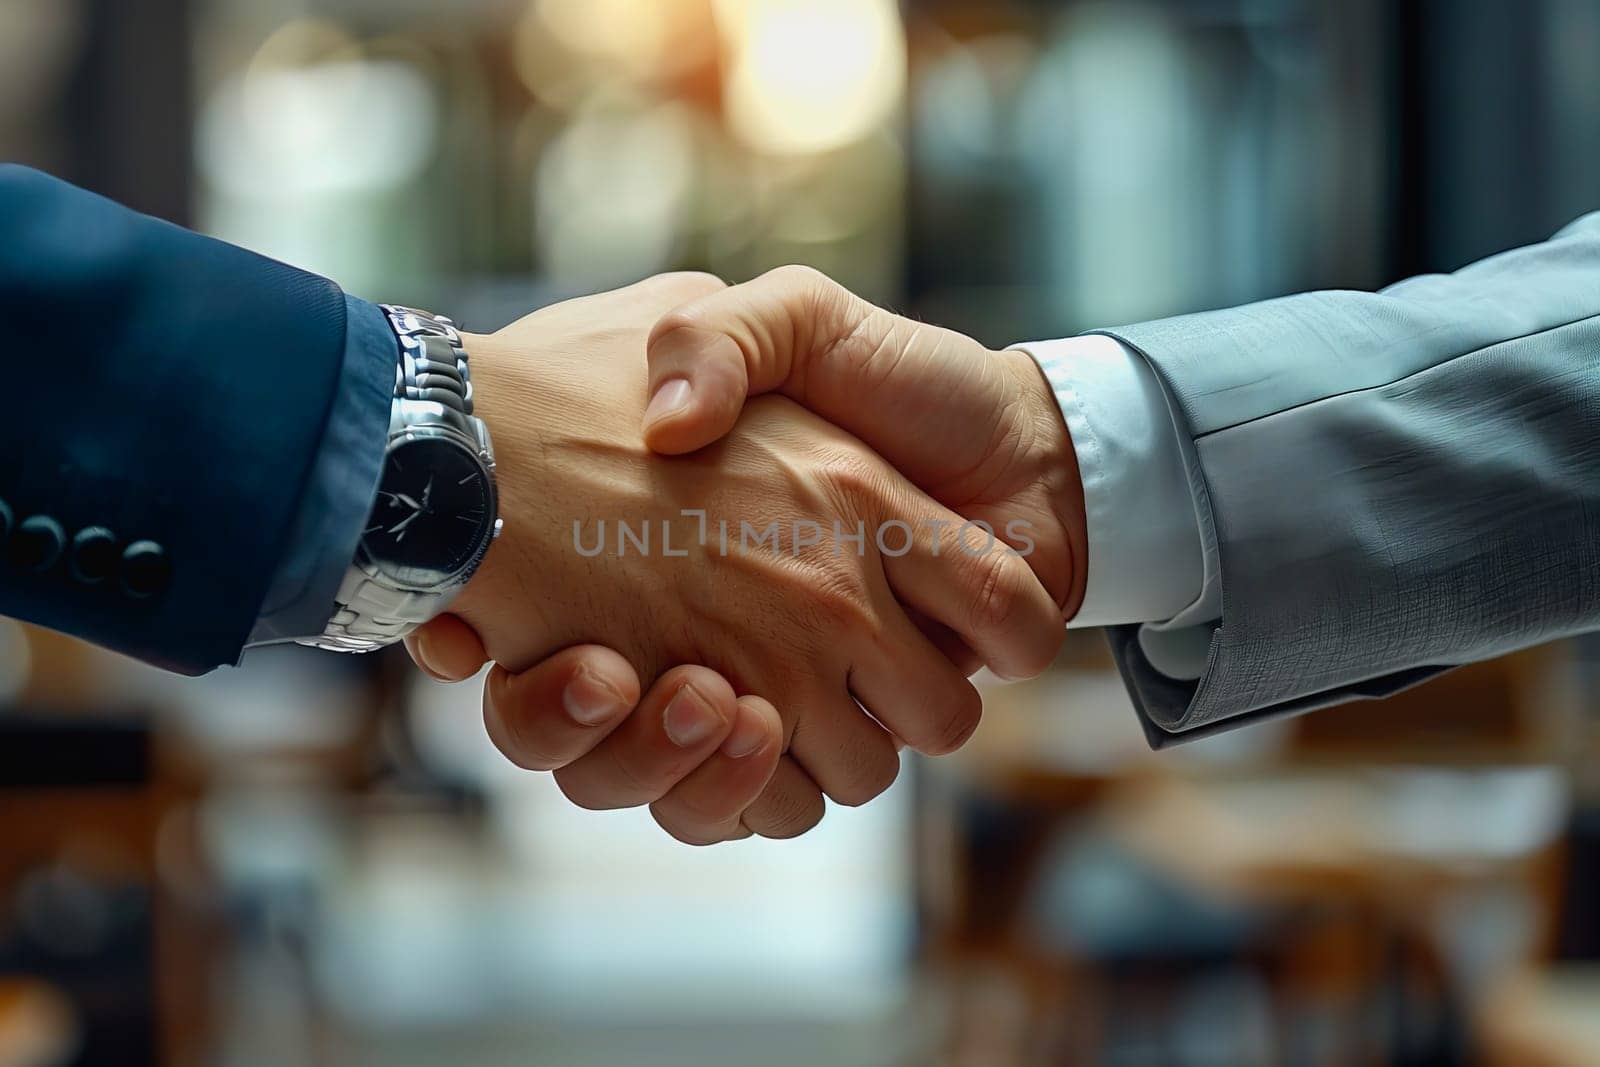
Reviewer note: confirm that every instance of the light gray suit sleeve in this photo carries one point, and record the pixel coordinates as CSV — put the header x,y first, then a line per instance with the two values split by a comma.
x,y
1400,482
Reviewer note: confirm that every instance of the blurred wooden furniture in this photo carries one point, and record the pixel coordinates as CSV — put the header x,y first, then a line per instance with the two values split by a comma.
x,y
37,1025
98,886
1516,709
1354,823
1546,1019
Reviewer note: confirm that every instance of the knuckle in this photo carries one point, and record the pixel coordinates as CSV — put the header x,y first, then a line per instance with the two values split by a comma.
x,y
785,813
868,776
800,276
686,317
999,592
698,279
959,723
841,604
850,473
823,303
689,284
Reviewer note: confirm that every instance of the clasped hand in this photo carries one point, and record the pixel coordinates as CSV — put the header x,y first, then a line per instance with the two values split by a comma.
x,y
797,584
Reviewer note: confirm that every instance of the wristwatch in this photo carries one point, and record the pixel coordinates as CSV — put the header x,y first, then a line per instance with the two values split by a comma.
x,y
437,509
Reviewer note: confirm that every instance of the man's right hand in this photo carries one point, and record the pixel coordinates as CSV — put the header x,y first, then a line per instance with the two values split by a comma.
x,y
978,430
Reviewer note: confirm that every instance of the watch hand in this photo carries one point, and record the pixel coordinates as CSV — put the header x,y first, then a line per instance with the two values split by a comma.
x,y
427,493
400,498
400,530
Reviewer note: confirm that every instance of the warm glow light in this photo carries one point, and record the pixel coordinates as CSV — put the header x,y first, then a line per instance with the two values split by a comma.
x,y
561,41
811,75
630,31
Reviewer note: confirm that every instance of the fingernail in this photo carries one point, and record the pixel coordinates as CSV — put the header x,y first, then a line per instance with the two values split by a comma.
x,y
671,397
747,738
589,701
690,718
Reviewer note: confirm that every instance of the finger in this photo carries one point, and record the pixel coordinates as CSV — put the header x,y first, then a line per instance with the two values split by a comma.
x,y
705,807
555,712
447,649
949,644
961,576
913,690
847,754
708,356
790,805
681,722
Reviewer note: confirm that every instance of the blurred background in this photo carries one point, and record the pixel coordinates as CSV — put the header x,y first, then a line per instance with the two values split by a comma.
x,y
314,860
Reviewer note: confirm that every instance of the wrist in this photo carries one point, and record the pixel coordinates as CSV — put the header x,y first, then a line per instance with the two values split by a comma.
x,y
546,411
1054,461
489,388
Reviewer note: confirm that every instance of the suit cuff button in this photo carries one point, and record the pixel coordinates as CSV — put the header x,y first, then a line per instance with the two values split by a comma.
x,y
146,571
94,555
37,544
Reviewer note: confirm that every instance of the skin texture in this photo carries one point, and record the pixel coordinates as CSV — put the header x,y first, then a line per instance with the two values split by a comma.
x,y
818,631
978,430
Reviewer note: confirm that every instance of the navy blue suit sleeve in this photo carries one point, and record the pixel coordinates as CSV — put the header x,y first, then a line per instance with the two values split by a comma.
x,y
169,388
344,480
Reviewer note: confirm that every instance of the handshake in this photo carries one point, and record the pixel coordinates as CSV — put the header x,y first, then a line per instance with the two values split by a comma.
x,y
756,540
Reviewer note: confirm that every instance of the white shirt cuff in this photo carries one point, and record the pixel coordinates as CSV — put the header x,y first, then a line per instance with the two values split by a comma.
x,y
1146,561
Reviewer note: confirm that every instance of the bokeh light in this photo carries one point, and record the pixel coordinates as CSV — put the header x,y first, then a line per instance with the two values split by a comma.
x,y
811,75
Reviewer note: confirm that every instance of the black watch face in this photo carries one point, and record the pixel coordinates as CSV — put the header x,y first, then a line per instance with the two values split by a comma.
x,y
432,515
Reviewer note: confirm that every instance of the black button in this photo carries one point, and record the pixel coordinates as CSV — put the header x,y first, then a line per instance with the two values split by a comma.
x,y
37,544
146,571
94,555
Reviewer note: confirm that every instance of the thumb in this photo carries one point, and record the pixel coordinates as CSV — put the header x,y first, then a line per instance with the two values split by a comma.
x,y
447,649
709,356
698,385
